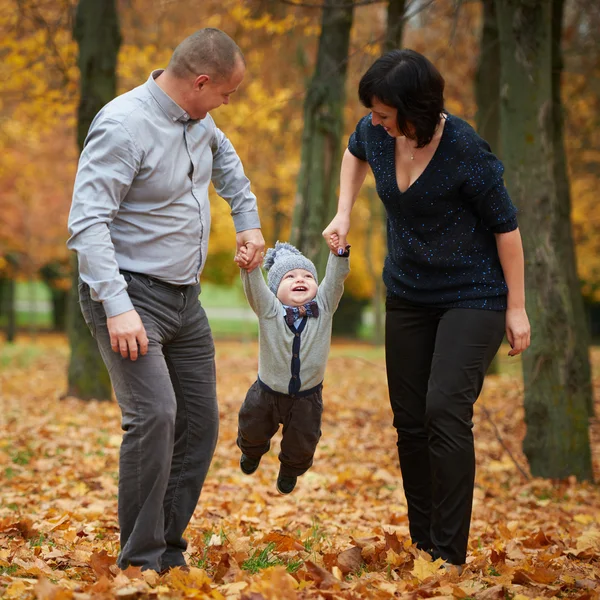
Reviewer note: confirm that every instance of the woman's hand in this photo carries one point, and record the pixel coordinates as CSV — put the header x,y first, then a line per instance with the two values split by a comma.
x,y
335,233
518,331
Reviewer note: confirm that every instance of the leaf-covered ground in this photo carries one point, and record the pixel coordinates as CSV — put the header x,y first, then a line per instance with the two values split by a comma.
x,y
342,534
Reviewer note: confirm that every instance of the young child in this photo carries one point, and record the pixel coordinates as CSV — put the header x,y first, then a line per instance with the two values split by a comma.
x,y
294,316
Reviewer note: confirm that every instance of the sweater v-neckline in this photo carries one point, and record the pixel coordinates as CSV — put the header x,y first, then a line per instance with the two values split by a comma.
x,y
427,166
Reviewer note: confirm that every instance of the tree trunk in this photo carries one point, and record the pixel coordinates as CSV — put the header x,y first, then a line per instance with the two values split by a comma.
x,y
487,94
96,31
556,368
60,300
52,275
316,197
395,25
7,304
565,232
487,79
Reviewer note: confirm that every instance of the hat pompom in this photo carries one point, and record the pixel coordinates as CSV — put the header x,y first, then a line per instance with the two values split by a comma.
x,y
280,250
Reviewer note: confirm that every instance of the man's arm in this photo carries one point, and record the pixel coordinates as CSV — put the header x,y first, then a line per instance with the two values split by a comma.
x,y
107,167
231,183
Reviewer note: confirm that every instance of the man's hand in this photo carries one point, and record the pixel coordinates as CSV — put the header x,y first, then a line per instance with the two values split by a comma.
x,y
126,332
335,233
253,242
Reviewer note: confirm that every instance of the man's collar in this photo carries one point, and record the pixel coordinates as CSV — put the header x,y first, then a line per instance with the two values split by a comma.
x,y
169,106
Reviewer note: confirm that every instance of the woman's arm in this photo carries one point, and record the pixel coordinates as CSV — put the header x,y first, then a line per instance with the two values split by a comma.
x,y
352,176
510,252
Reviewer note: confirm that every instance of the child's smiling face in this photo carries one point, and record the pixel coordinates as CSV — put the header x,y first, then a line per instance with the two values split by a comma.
x,y
297,287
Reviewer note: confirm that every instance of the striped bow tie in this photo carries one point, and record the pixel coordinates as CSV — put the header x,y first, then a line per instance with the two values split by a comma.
x,y
292,313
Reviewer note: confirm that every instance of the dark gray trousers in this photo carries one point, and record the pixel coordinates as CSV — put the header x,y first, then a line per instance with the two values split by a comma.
x,y
436,362
260,416
169,415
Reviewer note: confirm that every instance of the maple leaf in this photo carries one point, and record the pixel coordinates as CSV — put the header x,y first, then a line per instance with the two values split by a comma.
x,y
392,542
283,542
101,563
424,568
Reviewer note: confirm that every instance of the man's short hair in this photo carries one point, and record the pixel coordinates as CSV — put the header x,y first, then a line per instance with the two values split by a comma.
x,y
209,51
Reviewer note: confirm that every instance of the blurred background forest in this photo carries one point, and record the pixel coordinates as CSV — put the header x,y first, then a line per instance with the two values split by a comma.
x,y
39,96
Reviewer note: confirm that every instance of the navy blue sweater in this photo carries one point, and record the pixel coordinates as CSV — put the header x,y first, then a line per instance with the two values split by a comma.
x,y
440,231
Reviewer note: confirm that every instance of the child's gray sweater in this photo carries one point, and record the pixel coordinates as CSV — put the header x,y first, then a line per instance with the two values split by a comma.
x,y
292,361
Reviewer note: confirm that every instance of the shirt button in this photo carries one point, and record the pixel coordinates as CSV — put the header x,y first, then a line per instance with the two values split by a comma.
x,y
295,376
295,356
297,335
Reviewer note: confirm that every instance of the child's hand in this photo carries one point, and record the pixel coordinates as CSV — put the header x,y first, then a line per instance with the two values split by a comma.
x,y
334,242
241,258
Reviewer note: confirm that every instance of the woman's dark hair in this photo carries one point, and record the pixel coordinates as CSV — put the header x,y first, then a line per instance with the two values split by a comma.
x,y
407,81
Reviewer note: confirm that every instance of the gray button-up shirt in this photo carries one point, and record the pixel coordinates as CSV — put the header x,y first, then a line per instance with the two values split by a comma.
x,y
140,201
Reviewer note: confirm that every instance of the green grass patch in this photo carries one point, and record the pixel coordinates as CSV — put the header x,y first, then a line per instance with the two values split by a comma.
x,y
41,540
315,536
261,559
26,290
234,329
9,570
222,296
22,457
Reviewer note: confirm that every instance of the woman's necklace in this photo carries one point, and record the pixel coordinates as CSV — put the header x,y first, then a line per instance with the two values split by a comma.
x,y
411,151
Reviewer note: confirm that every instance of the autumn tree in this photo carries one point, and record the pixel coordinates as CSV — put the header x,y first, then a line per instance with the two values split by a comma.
x,y
556,367
36,102
97,33
316,197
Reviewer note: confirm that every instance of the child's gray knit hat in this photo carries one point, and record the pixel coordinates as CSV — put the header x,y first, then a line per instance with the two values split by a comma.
x,y
281,260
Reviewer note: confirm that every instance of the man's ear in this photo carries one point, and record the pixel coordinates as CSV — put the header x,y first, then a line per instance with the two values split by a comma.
x,y
200,81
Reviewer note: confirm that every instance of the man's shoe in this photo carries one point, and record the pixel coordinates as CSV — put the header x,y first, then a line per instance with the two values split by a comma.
x,y
249,465
286,484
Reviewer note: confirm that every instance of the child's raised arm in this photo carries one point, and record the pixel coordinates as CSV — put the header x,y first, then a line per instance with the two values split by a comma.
x,y
332,286
260,298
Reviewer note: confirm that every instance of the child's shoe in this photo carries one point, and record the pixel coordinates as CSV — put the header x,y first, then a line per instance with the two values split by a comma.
x,y
249,465
286,483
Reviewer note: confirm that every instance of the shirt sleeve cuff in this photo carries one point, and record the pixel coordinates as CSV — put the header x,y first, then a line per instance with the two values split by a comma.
x,y
246,220
117,305
354,150
507,226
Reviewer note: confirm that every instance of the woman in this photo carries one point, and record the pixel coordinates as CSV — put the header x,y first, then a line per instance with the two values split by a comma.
x,y
454,276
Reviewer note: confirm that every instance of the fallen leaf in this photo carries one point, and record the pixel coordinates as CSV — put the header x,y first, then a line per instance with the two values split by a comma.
x,y
283,542
323,578
424,568
45,590
350,560
101,563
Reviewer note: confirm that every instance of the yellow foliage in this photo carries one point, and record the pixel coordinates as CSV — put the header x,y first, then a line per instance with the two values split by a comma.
x,y
39,95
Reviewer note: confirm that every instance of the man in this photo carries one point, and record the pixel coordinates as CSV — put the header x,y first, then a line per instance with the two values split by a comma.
x,y
140,222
